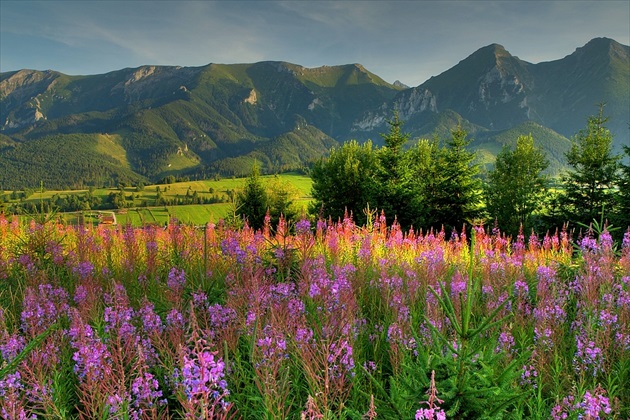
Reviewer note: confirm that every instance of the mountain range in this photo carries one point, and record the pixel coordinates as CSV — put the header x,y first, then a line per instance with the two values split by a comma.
x,y
146,123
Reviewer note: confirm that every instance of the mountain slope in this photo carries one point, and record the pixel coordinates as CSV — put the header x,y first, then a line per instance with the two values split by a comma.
x,y
198,116
219,118
493,89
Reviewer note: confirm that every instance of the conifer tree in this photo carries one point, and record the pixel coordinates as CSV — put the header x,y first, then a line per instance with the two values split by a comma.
x,y
252,201
589,186
516,187
345,181
456,194
394,192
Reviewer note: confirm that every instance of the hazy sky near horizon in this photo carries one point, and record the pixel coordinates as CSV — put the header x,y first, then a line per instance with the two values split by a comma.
x,y
408,41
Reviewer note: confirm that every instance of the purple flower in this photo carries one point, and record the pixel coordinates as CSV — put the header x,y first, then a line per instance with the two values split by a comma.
x,y
176,279
11,383
546,275
11,346
273,346
114,402
594,404
458,286
303,227
175,319
340,358
144,390
27,262
588,357
232,248
202,376
521,288
42,307
588,244
529,375
303,336
430,414
151,322
220,316
200,299
92,358
84,269
80,294
506,342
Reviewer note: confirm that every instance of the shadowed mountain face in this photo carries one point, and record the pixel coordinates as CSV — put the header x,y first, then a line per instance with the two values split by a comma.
x,y
154,121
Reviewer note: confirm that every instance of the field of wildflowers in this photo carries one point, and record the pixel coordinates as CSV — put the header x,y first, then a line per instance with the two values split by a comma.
x,y
321,321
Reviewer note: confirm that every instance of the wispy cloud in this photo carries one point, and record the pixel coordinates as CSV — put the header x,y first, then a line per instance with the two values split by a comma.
x,y
406,40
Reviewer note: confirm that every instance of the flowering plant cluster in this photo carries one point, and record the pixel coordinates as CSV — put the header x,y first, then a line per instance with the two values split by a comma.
x,y
335,321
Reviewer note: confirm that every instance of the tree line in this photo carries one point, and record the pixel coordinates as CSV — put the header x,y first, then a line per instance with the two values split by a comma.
x,y
437,184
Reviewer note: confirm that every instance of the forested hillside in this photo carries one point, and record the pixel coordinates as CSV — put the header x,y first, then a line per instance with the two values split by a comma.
x,y
155,121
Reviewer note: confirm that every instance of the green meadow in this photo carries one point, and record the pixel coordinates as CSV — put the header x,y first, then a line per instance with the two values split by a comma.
x,y
141,207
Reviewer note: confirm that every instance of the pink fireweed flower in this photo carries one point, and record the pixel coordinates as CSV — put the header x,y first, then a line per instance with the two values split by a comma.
x,y
92,358
84,270
272,347
176,279
10,345
593,405
151,322
114,402
529,376
459,285
303,336
340,359
80,294
12,399
11,383
175,319
42,307
521,288
588,357
201,376
145,390
434,412
588,244
506,343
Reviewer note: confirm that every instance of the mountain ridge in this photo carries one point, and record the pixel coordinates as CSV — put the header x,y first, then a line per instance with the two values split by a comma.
x,y
217,118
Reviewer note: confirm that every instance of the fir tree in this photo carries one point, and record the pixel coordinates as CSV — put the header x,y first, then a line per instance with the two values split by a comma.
x,y
252,201
516,187
456,192
589,186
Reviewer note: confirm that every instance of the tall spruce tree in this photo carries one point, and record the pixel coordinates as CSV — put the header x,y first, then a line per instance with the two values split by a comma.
x,y
394,193
456,196
252,201
589,187
516,186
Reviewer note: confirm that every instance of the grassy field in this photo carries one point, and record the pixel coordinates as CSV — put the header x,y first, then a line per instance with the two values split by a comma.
x,y
196,214
145,211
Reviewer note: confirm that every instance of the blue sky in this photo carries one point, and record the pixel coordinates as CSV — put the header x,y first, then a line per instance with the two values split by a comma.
x,y
408,41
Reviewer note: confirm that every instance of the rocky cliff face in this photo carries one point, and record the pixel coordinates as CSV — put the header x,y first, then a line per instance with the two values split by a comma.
x,y
21,91
493,89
